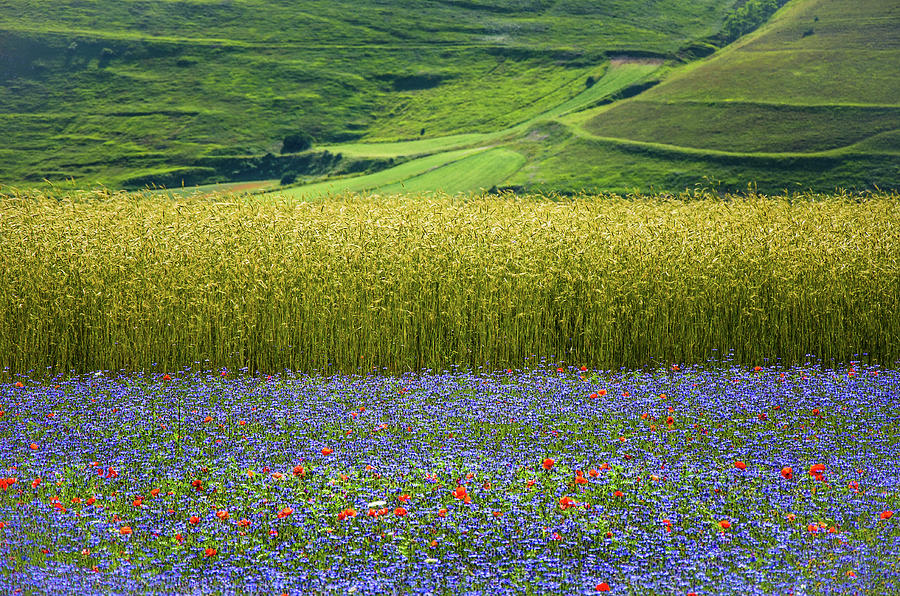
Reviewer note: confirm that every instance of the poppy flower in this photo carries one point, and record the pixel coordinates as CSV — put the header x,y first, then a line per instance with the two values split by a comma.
x,y
565,502
403,498
90,501
166,377
442,512
886,515
223,515
740,465
400,512
460,492
211,552
299,471
137,502
244,523
816,469
207,419
125,530
602,587
285,512
670,420
35,482
725,524
618,493
194,519
581,480
179,538
593,473
547,463
372,513
154,492
327,451
787,473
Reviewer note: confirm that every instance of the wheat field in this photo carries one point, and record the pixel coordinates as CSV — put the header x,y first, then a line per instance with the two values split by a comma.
x,y
118,281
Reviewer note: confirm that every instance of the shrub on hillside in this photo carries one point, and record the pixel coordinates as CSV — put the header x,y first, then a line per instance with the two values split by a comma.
x,y
296,142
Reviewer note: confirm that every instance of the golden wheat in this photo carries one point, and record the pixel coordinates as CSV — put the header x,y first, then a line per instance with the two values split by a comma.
x,y
118,281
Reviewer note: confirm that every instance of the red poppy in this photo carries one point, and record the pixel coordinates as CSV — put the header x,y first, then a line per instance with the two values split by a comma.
x,y
740,465
725,524
618,493
547,463
154,492
593,473
812,528
327,451
166,377
299,471
179,538
400,511
125,530
581,480
602,392
211,552
460,492
194,519
35,482
19,384
90,501
816,469
372,513
285,512
403,498
207,419
602,587
886,514
670,421
787,473
223,515
757,368
442,512
565,502
137,502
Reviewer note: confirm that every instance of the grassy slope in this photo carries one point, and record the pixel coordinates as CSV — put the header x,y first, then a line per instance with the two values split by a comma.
x,y
103,90
478,172
778,108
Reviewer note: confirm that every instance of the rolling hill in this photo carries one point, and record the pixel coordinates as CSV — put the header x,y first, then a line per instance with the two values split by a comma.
x,y
136,91
562,96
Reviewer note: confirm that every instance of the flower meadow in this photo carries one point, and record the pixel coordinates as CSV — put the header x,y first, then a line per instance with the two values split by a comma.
x,y
713,479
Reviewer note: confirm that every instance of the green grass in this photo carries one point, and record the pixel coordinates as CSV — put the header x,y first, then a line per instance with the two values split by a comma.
x,y
156,85
781,108
476,172
390,176
735,127
99,281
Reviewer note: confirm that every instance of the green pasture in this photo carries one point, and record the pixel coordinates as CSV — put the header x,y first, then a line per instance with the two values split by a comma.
x,y
475,172
103,92
390,176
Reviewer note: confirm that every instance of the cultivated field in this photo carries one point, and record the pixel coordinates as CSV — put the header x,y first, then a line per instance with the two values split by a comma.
x,y
115,281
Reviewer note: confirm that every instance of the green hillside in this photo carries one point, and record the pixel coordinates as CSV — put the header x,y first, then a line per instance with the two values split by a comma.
x,y
811,99
562,95
137,91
